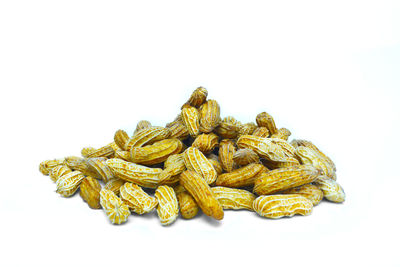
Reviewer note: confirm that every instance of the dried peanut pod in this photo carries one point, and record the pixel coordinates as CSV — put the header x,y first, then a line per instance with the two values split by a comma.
x,y
179,189
295,143
143,124
225,154
173,167
213,159
231,198
247,128
206,142
167,208
245,156
187,205
135,173
114,185
287,148
309,191
59,171
261,132
191,120
147,136
115,147
122,154
121,138
105,151
86,151
265,120
202,193
284,178
331,189
90,192
277,206
157,152
178,130
69,183
264,147
136,199
282,133
103,171
228,128
307,156
198,97
241,177
196,161
209,116
46,166
80,164
117,211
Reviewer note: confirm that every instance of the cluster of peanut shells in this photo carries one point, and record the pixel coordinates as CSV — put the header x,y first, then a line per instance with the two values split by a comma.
x,y
199,162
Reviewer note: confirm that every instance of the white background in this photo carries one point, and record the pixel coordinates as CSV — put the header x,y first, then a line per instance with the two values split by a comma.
x,y
74,72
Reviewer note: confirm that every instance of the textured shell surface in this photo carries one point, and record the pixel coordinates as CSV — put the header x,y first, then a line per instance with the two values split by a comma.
x,y
167,208
121,138
191,119
136,199
277,206
245,156
263,147
173,166
284,178
309,156
209,116
241,177
103,171
69,183
261,132
202,193
116,210
157,152
147,136
225,154
231,198
59,171
114,185
282,133
247,128
213,159
331,189
196,161
206,142
46,166
309,191
228,128
90,192
198,97
105,151
135,173
265,120
143,124
187,205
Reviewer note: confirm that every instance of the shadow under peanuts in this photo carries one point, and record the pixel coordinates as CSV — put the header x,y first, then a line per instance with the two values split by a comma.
x,y
211,221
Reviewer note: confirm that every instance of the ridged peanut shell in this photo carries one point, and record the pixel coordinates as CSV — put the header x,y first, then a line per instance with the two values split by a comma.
x,y
264,147
331,189
265,120
311,157
309,191
202,193
198,97
225,154
90,192
69,183
173,167
187,205
105,151
209,116
136,199
116,210
284,178
121,138
206,142
135,173
147,136
191,120
245,156
80,164
196,161
247,128
178,130
59,171
143,124
103,171
86,151
241,177
277,206
157,152
46,166
231,198
213,159
228,128
282,133
167,208
295,143
261,132
114,185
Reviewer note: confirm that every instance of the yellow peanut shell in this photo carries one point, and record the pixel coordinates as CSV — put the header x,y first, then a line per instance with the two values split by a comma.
x,y
231,198
331,189
69,183
59,171
202,193
277,206
121,138
114,185
143,124
46,166
136,199
265,120
247,128
167,208
228,128
206,142
90,192
245,156
241,177
196,161
173,167
309,191
187,205
147,136
213,159
308,156
191,120
209,114
261,132
225,154
156,153
135,173
282,133
198,97
116,210
284,178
